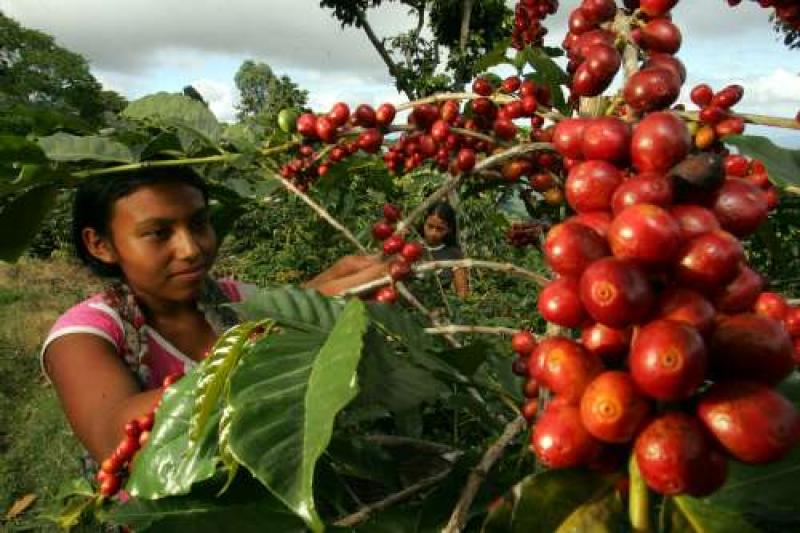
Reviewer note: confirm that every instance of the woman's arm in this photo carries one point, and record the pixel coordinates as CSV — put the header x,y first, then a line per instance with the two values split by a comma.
x,y
461,282
349,271
97,391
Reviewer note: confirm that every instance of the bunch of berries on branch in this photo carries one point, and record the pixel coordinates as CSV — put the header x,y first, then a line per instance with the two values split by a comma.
x,y
786,11
680,346
405,253
116,468
440,134
528,17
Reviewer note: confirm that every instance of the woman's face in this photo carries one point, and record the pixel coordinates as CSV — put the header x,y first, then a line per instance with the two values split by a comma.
x,y
162,240
435,230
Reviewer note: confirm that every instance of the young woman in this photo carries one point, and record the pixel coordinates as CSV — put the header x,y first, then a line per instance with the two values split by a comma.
x,y
150,233
440,235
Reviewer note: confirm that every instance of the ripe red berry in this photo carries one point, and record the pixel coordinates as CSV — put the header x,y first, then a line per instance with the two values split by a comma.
x,y
523,342
560,303
465,159
668,360
561,441
646,234
672,452
482,86
146,421
384,115
382,230
754,423
386,295
339,114
616,293
612,408
564,367
110,486
412,251
399,269
365,116
772,305
569,248
701,95
391,213
660,141
393,244
307,125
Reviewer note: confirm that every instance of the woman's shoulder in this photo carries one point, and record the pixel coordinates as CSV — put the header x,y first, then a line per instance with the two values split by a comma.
x,y
93,315
451,251
235,290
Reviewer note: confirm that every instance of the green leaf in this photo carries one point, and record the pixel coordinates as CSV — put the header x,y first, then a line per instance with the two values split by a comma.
x,y
544,64
66,147
285,396
783,165
170,464
546,500
467,359
215,371
494,57
21,219
176,110
246,508
303,309
695,516
392,380
603,515
19,149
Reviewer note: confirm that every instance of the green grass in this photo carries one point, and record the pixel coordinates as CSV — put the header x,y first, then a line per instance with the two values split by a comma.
x,y
38,452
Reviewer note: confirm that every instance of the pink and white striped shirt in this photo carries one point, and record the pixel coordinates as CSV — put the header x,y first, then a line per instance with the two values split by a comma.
x,y
95,317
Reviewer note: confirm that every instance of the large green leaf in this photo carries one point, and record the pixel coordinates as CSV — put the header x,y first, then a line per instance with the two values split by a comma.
x,y
782,165
603,515
392,381
690,515
21,219
495,56
247,507
170,463
544,64
215,371
14,148
176,110
66,147
303,309
546,500
285,396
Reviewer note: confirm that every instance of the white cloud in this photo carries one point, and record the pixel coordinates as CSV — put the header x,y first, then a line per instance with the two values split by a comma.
x,y
220,98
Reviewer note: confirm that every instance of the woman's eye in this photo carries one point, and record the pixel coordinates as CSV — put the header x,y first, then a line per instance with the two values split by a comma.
x,y
160,234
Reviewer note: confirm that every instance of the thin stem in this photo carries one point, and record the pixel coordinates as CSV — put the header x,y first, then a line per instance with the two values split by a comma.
x,y
457,328
365,512
427,266
638,499
280,148
453,181
760,120
478,474
156,164
323,213
498,98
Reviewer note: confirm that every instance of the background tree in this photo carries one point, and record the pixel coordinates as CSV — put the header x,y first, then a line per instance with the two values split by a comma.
x,y
46,87
262,93
462,31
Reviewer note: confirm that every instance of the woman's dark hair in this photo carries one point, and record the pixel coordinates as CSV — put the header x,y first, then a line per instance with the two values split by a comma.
x,y
446,212
94,202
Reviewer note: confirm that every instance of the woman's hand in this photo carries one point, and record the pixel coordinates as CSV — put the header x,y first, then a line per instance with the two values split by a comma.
x,y
349,271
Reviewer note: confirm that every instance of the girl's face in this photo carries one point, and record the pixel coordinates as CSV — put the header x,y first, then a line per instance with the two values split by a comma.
x,y
162,240
435,230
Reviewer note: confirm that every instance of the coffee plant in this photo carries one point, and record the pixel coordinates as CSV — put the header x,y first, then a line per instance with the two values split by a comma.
x,y
648,382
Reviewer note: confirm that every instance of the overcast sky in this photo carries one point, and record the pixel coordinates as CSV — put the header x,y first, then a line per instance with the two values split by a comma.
x,y
143,46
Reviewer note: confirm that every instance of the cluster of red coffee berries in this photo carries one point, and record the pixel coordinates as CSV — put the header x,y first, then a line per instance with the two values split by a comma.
x,y
715,115
593,56
787,11
115,468
406,253
528,17
679,346
343,132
